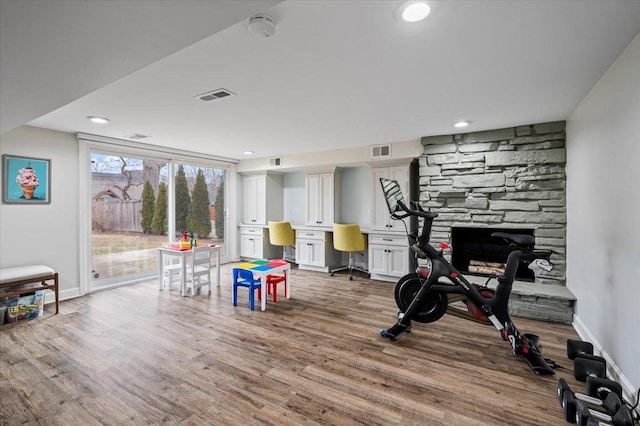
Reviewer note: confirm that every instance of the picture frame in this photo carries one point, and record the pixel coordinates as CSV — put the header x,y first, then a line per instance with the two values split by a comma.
x,y
26,180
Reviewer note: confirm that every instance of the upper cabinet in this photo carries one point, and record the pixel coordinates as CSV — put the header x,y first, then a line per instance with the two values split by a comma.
x,y
322,198
262,198
381,219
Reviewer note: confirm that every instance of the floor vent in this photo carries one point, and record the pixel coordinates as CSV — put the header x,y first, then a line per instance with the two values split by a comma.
x,y
275,162
380,151
214,95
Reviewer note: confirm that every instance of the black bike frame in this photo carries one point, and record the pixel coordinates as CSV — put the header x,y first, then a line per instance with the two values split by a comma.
x,y
495,308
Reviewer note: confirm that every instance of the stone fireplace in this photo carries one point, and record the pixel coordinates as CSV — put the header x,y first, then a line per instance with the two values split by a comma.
x,y
510,179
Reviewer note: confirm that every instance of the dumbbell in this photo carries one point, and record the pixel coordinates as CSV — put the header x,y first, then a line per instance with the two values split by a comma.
x,y
578,347
585,416
568,400
597,387
585,364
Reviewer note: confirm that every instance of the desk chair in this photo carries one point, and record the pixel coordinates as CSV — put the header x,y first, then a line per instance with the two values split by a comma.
x,y
349,238
199,269
245,278
282,234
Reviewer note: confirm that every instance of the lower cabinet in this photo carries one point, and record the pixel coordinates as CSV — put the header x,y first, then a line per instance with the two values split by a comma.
x,y
314,250
254,242
388,256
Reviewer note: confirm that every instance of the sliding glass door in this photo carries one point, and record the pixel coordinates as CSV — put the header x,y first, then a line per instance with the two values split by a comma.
x,y
136,200
129,217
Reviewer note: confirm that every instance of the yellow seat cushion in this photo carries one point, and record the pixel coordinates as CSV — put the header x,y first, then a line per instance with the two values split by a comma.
x,y
347,237
281,234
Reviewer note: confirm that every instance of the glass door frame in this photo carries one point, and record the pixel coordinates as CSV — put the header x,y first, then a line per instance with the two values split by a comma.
x,y
92,143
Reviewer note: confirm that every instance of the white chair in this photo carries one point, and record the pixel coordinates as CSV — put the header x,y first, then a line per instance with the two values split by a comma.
x,y
171,273
199,268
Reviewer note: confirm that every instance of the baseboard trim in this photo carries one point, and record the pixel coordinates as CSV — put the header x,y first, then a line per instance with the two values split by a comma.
x,y
50,296
613,371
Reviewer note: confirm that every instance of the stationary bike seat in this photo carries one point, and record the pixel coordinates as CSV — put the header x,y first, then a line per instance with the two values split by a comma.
x,y
519,239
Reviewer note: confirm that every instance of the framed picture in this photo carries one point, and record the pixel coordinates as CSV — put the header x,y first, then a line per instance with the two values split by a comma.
x,y
26,180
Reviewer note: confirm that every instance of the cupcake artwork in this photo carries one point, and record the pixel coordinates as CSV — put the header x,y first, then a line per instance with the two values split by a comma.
x,y
26,180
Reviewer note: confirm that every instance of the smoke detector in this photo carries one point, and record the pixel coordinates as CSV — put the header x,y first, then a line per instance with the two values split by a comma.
x,y
262,25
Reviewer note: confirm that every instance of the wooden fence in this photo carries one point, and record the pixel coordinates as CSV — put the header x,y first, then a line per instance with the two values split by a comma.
x,y
116,215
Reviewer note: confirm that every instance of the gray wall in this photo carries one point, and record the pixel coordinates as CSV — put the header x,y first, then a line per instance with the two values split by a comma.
x,y
603,207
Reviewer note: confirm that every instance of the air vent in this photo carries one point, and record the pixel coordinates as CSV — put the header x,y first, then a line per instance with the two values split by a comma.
x,y
214,95
275,162
380,151
137,136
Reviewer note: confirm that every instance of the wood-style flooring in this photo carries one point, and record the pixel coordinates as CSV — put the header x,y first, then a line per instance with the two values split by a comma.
x,y
137,355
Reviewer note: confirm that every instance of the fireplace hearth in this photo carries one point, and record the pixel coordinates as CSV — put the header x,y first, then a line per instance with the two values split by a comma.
x,y
476,252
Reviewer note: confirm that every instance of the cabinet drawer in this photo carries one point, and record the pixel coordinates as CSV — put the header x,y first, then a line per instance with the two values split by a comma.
x,y
389,240
310,235
248,230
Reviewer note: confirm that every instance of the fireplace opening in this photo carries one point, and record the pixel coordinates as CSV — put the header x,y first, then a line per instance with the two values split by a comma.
x,y
476,252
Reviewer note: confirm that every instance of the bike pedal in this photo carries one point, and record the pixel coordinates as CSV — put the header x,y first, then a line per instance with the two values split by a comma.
x,y
551,363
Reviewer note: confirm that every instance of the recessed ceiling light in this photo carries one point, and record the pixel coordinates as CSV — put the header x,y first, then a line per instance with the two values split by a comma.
x,y
462,124
248,153
98,120
414,11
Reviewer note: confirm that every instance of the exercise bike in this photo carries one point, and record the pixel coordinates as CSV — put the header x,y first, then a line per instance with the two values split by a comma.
x,y
421,296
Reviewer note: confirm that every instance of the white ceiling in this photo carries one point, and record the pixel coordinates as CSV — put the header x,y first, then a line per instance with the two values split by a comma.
x,y
337,73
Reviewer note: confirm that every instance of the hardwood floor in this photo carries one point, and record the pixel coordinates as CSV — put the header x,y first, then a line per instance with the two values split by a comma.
x,y
137,355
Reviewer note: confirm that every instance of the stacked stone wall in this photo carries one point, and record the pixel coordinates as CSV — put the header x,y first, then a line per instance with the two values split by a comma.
x,y
505,178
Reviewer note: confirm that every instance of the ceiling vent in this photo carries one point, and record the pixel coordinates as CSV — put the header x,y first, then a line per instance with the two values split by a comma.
x,y
137,136
275,162
380,151
214,95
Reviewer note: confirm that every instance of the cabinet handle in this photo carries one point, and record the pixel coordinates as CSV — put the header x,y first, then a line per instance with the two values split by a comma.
x,y
387,239
310,235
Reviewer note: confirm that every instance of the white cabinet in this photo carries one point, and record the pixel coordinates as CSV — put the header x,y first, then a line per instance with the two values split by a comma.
x,y
251,242
262,198
314,249
254,242
388,256
321,199
381,217
254,200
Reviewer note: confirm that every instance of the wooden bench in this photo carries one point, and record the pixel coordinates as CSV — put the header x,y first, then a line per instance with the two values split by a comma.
x,y
27,279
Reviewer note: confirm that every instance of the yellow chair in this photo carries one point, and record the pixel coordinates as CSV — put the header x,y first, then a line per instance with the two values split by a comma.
x,y
282,234
349,238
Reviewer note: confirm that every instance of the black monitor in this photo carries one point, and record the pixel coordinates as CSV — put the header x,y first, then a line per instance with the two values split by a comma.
x,y
392,193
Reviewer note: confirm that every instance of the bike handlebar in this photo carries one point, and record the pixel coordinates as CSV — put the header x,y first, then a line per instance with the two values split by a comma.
x,y
416,211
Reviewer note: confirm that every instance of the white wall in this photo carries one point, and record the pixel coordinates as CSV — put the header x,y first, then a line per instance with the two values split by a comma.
x,y
293,197
356,195
348,157
603,211
44,234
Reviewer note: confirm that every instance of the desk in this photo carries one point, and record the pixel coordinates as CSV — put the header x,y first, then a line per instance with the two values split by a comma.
x,y
265,267
183,254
